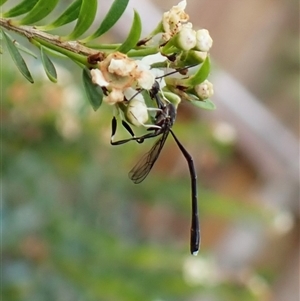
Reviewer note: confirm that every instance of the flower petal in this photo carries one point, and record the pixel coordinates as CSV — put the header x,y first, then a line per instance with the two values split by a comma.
x,y
98,78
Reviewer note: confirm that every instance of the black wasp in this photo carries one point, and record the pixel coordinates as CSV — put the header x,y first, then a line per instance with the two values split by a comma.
x,y
164,120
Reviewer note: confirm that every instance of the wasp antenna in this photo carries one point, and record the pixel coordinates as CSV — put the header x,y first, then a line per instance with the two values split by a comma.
x,y
182,70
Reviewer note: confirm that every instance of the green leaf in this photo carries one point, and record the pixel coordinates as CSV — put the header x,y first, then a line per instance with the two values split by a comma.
x,y
69,15
93,92
25,50
86,17
134,35
20,9
201,75
206,104
48,65
42,9
17,58
115,12
19,46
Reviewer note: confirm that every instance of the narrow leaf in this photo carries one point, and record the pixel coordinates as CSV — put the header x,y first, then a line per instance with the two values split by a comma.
x,y
201,75
48,66
134,34
206,104
85,19
69,15
115,12
19,46
20,9
42,9
25,50
93,92
17,58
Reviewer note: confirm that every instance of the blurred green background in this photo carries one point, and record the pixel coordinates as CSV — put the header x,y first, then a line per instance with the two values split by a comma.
x,y
74,227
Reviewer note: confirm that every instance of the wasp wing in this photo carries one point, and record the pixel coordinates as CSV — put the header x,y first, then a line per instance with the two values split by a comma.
x,y
140,171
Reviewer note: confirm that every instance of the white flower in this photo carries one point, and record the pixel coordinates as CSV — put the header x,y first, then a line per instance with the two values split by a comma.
x,y
180,6
173,19
153,58
117,72
204,41
131,93
114,72
98,78
121,67
115,96
204,90
145,78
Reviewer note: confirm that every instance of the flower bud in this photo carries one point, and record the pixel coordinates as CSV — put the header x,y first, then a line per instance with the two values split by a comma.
x,y
204,90
136,112
204,41
186,38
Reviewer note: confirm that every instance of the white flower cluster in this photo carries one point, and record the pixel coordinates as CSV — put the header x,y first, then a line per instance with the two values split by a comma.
x,y
194,44
175,26
118,73
120,77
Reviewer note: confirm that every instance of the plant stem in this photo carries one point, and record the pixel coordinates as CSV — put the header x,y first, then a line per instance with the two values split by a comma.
x,y
72,49
142,52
